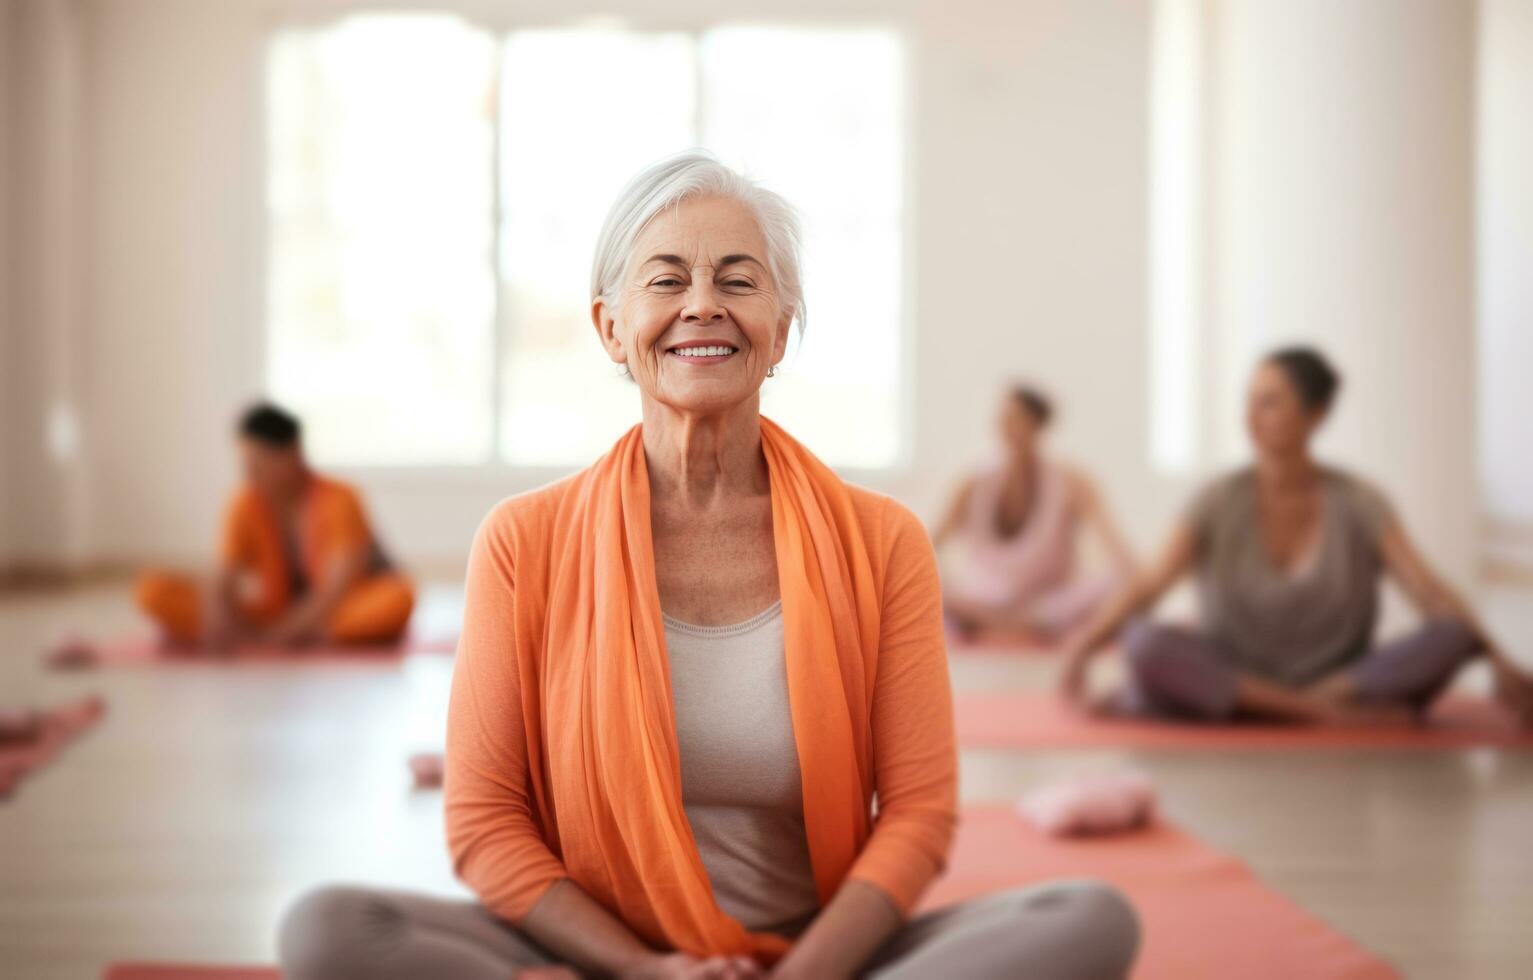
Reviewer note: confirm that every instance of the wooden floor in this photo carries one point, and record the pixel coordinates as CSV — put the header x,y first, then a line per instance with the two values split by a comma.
x,y
211,796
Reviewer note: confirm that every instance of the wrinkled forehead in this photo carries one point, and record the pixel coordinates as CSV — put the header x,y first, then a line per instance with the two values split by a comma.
x,y
701,231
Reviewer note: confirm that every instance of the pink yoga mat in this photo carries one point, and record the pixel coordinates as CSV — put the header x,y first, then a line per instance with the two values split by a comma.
x,y
1203,913
60,727
992,643
182,971
144,651
1037,719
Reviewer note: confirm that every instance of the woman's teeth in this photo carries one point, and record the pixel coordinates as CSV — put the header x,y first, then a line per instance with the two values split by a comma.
x,y
702,351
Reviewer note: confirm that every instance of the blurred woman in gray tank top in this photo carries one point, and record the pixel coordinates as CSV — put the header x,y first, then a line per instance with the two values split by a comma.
x,y
1288,554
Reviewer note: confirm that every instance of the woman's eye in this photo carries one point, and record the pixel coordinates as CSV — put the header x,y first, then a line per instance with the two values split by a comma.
x,y
738,283
668,281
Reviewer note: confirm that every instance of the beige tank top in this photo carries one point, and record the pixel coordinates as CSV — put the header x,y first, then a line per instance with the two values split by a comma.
x,y
739,769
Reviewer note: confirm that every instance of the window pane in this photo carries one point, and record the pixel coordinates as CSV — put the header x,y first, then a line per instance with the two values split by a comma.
x,y
381,216
815,114
582,111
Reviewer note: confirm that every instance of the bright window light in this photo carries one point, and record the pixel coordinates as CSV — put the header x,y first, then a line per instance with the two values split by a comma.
x,y
425,312
381,208
1175,218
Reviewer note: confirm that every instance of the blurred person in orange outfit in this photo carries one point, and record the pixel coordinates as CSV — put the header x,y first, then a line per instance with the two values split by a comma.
x,y
298,562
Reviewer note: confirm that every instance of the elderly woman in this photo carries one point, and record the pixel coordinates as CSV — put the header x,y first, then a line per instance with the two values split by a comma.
x,y
1288,555
1019,525
701,724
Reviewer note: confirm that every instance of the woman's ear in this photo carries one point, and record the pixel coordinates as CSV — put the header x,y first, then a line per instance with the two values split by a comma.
x,y
780,341
605,322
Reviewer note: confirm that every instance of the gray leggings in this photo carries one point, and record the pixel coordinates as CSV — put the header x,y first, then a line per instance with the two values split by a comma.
x,y
1179,672
1068,930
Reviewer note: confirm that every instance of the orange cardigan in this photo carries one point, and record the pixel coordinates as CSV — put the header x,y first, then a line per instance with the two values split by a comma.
x,y
510,714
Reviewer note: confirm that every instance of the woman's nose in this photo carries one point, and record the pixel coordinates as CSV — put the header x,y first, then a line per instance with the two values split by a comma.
x,y
702,305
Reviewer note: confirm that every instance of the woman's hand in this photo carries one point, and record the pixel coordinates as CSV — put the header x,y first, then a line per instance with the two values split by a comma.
x,y
681,966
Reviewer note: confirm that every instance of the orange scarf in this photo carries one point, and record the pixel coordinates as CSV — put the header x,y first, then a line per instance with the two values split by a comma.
x,y
609,793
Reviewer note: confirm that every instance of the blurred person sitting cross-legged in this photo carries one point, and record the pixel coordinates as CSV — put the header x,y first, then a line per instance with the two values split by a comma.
x,y
298,562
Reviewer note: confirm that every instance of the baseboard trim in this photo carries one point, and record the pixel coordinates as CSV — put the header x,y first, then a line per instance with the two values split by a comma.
x,y
48,577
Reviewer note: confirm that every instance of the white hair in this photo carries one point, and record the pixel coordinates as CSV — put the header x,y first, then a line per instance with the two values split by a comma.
x,y
698,173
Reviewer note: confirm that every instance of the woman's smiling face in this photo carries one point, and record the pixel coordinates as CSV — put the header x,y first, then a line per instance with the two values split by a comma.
x,y
698,320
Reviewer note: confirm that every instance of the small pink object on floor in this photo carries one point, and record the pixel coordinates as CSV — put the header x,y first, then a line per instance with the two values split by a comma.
x,y
1091,805
428,768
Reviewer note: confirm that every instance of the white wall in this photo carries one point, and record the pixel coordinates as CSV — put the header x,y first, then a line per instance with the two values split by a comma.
x,y
176,276
1027,232
1030,241
7,231
1505,253
1345,135
47,512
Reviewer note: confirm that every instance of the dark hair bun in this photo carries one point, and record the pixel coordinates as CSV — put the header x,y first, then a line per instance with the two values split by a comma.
x,y
1311,375
266,423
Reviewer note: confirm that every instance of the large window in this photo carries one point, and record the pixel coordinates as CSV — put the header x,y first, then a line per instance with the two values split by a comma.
x,y
435,193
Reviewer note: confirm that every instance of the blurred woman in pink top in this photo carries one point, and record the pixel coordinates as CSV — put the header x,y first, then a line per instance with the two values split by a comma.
x,y
1018,527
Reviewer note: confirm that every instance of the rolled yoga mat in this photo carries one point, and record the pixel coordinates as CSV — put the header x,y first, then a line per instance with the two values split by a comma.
x,y
1039,719
1203,913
